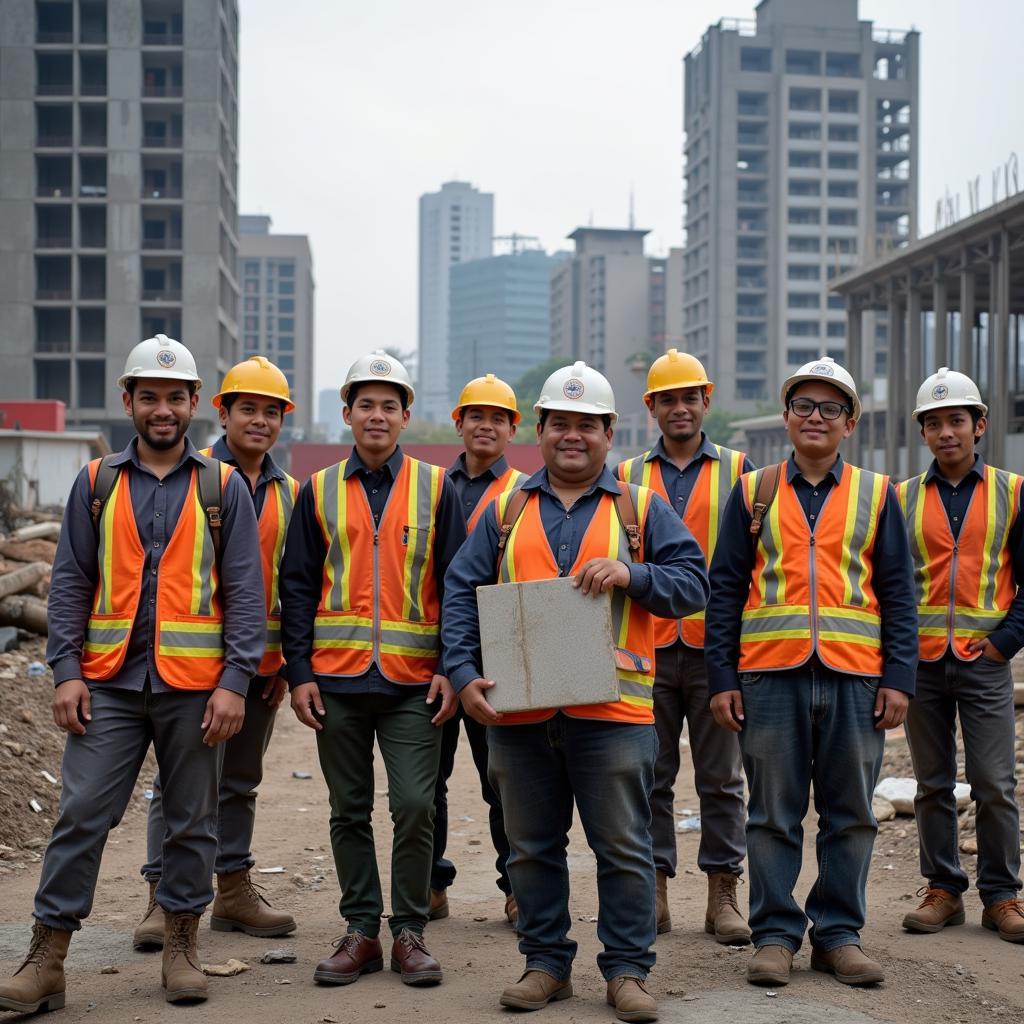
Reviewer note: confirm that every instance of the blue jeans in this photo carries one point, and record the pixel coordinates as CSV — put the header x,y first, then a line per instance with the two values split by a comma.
x,y
608,769
809,728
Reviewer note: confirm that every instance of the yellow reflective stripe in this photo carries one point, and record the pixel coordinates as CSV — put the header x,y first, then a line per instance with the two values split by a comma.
x,y
851,524
197,554
774,611
283,494
107,546
175,651
853,614
923,567
419,628
639,702
772,573
410,548
714,496
777,634
836,636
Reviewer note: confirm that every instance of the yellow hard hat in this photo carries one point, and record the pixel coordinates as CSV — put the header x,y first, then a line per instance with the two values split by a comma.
x,y
676,369
488,390
256,375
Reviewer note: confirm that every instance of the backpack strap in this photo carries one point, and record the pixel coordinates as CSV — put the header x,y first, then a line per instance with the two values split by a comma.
x,y
211,498
102,485
767,488
626,509
513,510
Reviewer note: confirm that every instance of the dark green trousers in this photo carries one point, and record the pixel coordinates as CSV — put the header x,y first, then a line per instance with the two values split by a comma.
x,y
411,748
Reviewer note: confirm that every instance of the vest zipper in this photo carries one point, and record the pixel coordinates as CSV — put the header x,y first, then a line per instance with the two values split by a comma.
x,y
376,595
814,599
951,639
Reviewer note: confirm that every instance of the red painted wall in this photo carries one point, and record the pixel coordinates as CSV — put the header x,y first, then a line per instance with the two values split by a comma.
x,y
32,415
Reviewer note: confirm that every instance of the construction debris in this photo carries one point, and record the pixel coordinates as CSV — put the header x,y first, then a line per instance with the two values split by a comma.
x,y
228,970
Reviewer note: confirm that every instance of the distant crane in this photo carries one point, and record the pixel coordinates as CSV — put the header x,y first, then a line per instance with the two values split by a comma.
x,y
518,243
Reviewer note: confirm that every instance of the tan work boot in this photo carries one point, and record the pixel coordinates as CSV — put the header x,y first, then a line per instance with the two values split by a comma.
x,y
438,904
723,918
38,984
770,965
240,907
938,909
182,974
150,933
631,999
512,911
849,965
534,990
661,912
1007,918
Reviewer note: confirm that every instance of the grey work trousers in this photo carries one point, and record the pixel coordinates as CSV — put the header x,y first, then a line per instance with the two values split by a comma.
x,y
981,692
98,775
241,772
681,694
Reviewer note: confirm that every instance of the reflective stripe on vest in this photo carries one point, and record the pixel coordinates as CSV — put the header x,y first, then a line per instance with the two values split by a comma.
x,y
528,556
812,592
189,644
379,600
702,516
964,587
507,483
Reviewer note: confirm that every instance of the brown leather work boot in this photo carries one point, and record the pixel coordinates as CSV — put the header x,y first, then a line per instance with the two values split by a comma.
x,y
241,907
534,990
849,965
1007,918
938,909
631,999
150,933
182,974
661,912
354,954
438,904
723,918
38,984
411,958
512,911
770,965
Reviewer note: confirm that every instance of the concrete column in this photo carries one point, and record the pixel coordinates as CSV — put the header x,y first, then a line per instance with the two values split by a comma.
x,y
998,354
914,376
894,392
855,364
941,310
966,322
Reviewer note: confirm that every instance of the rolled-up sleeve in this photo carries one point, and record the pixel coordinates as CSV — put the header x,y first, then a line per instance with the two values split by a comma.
x,y
893,578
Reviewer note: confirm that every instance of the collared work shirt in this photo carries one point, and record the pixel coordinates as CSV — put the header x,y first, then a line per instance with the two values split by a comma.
x,y
270,472
470,489
679,483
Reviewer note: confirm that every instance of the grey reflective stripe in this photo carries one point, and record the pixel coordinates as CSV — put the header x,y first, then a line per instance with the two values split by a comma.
x,y
105,635
426,642
273,632
342,631
635,468
999,481
863,528
978,618
208,556
621,603
333,478
772,554
171,637
841,624
933,620
631,688
420,534
285,496
774,621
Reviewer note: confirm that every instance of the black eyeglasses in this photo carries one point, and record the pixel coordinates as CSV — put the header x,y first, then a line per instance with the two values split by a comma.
x,y
803,407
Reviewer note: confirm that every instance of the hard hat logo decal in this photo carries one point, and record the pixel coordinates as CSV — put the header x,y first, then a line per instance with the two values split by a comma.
x,y
940,392
824,369
166,358
380,367
573,388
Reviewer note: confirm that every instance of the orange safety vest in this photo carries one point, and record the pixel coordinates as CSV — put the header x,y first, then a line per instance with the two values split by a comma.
x,y
189,640
278,502
965,586
508,482
528,557
379,601
813,592
702,517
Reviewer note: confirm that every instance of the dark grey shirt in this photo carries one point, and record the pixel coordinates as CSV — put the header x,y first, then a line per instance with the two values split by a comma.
x,y
157,505
269,472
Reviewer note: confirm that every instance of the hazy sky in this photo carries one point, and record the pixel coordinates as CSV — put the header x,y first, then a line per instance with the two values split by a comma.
x,y
350,111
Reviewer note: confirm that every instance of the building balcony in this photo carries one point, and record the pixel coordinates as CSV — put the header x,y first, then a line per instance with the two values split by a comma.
x,y
161,295
53,241
53,294
163,39
62,89
92,191
151,91
161,244
52,37
53,141
161,142
93,140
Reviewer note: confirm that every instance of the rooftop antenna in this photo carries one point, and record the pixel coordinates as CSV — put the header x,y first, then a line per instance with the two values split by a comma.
x,y
632,217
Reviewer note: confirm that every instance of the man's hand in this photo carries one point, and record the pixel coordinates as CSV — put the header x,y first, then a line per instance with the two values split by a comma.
x,y
275,691
225,712
987,649
475,704
890,708
599,575
727,708
449,702
306,700
72,706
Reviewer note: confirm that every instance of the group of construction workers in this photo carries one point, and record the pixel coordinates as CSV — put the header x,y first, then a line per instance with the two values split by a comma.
x,y
786,615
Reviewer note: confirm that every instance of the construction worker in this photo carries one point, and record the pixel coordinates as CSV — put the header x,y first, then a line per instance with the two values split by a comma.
x,y
485,418
361,586
153,639
811,650
252,403
695,477
568,520
967,543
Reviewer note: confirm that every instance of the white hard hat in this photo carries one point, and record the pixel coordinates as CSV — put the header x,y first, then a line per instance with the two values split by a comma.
x,y
946,389
381,368
160,357
578,388
828,370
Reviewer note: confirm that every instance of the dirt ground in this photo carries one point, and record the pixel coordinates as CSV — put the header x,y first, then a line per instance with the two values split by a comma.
x,y
964,974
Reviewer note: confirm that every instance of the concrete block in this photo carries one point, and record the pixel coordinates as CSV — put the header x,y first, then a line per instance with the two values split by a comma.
x,y
545,645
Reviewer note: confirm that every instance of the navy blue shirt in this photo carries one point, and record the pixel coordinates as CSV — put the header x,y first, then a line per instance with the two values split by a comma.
x,y
1008,639
157,505
470,489
302,567
671,584
733,564
269,472
679,483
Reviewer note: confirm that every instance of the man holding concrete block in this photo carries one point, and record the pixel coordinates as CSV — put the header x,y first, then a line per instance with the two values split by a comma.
x,y
572,518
